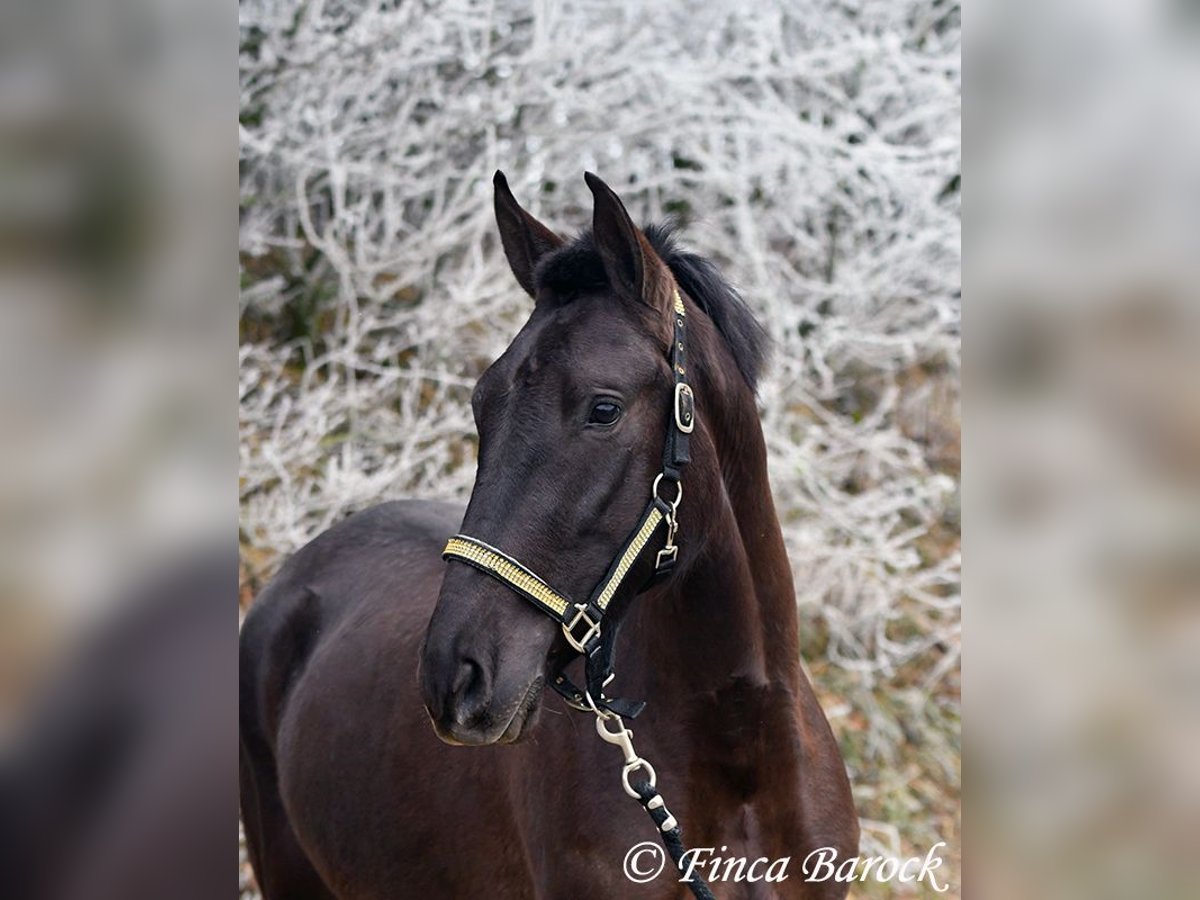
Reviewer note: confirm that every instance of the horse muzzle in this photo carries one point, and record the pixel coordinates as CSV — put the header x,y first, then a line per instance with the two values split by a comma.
x,y
481,680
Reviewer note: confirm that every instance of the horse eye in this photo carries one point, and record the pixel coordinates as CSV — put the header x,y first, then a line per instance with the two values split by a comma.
x,y
604,412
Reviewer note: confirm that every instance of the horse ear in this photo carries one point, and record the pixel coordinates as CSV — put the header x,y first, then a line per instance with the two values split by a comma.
x,y
633,268
525,239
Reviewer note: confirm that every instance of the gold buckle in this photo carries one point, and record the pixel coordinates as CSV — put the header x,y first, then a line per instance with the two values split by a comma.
x,y
593,628
685,408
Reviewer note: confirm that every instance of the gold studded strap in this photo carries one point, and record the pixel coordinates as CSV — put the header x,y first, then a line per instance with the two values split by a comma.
x,y
633,549
505,569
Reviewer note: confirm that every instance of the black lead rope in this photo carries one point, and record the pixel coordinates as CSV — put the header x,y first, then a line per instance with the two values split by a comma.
x,y
646,793
581,622
672,838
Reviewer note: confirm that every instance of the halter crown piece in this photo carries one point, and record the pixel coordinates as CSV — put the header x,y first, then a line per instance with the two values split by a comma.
x,y
582,622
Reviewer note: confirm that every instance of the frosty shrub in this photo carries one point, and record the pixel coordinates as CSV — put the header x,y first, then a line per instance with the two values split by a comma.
x,y
812,149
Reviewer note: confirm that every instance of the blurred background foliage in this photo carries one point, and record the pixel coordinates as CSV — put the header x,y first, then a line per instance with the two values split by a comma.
x,y
811,148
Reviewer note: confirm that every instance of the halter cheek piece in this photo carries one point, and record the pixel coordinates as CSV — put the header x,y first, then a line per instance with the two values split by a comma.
x,y
583,624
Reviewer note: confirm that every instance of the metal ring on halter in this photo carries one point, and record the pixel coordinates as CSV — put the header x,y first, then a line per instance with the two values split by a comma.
x,y
678,491
632,767
602,714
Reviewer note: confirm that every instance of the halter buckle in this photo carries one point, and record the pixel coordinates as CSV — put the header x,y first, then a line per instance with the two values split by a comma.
x,y
685,408
592,629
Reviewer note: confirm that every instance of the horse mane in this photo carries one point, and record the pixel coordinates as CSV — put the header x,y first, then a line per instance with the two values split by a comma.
x,y
576,268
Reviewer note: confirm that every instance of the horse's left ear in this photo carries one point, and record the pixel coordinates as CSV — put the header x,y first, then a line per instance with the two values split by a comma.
x,y
525,239
633,268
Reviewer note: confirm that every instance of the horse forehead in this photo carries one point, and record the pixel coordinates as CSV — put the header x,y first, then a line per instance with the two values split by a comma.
x,y
588,333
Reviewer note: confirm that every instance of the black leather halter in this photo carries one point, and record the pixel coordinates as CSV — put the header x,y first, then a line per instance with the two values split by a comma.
x,y
584,624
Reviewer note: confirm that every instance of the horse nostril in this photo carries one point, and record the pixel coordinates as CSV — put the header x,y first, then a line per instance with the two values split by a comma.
x,y
471,692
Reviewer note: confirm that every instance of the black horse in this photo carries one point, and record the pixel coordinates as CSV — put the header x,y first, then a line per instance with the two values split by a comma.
x,y
366,634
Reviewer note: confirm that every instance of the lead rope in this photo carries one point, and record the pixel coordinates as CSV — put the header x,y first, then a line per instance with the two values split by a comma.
x,y
651,800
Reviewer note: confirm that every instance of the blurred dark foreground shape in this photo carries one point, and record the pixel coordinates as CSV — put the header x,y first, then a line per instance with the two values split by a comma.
x,y
122,783
117,751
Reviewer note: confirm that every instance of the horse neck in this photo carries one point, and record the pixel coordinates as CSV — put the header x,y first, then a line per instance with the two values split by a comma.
x,y
732,613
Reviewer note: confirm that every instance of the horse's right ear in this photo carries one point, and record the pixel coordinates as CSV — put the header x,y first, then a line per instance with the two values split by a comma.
x,y
525,239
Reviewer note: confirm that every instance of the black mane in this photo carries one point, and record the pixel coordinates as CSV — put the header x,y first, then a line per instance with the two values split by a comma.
x,y
576,268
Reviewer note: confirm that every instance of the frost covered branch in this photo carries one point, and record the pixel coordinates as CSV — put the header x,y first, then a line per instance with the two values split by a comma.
x,y
811,148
